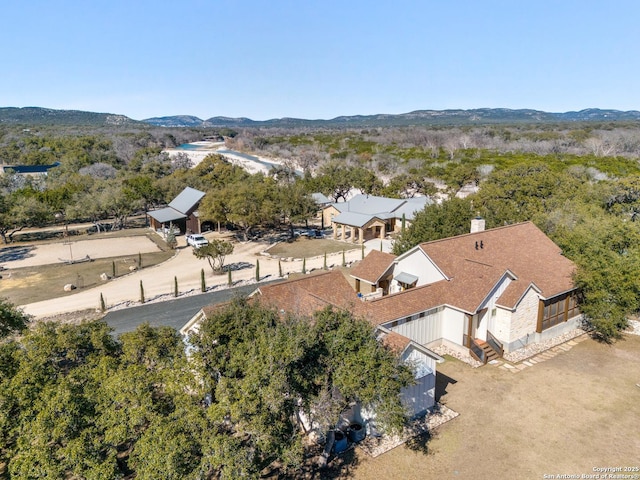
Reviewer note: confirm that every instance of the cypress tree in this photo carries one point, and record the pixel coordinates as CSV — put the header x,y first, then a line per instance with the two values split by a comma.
x,y
304,265
279,269
229,280
257,270
113,269
175,286
324,266
203,283
103,305
141,292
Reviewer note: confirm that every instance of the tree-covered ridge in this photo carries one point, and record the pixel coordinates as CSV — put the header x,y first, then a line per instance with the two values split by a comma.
x,y
78,403
29,116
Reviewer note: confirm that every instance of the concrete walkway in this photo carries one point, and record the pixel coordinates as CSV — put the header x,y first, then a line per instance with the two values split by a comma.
x,y
158,281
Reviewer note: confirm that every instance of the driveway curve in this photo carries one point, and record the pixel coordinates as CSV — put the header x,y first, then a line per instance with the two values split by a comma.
x,y
158,281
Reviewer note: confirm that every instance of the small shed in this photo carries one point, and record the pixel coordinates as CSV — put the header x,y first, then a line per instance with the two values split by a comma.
x,y
182,212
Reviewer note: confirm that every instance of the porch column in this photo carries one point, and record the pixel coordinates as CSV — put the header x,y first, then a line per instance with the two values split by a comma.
x,y
383,231
335,231
361,234
353,234
343,233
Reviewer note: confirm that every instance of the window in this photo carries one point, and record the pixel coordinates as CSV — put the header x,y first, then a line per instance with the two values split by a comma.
x,y
559,309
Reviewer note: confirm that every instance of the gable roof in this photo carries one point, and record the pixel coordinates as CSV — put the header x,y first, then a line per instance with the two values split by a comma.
x,y
361,209
187,200
180,207
483,257
354,219
373,266
398,343
411,207
521,252
369,204
166,214
306,295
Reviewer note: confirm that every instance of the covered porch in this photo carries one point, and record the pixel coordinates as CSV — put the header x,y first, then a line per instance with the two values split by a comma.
x,y
358,228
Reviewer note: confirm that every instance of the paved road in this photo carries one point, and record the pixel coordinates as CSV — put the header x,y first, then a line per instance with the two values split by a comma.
x,y
173,313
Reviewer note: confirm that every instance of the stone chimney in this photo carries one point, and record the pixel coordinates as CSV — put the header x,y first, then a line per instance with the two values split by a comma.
x,y
477,225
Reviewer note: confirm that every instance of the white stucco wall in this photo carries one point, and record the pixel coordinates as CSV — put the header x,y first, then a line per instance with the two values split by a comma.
x,y
417,263
452,325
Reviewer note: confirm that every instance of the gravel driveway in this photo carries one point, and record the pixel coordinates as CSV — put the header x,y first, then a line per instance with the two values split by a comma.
x,y
158,281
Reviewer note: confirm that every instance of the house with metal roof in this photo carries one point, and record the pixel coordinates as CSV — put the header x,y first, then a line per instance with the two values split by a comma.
x,y
28,170
369,216
181,213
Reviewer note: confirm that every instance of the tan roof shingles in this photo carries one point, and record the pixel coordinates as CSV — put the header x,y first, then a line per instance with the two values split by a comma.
x,y
395,342
373,266
521,248
306,295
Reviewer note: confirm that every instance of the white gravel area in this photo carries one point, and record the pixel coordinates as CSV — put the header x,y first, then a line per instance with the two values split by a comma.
x,y
536,348
466,358
634,327
375,446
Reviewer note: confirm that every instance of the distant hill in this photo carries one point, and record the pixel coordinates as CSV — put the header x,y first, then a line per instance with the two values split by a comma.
x,y
46,116
175,121
480,116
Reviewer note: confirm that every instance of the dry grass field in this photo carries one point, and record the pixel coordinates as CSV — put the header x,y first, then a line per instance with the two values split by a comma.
x,y
303,247
37,281
567,415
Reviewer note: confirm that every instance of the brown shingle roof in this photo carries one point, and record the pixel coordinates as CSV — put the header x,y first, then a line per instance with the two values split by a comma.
x,y
306,295
373,266
521,251
521,248
395,342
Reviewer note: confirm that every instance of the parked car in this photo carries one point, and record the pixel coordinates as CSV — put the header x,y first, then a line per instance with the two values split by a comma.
x,y
196,240
173,229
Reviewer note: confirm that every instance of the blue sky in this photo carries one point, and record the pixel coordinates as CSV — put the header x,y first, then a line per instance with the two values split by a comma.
x,y
318,59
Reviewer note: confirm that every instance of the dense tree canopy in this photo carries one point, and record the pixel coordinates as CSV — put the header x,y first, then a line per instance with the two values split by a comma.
x,y
12,320
77,402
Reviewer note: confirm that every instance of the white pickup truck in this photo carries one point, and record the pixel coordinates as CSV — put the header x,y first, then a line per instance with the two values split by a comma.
x,y
196,240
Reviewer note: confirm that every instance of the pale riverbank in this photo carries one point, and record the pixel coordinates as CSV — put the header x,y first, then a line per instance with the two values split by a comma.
x,y
198,151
